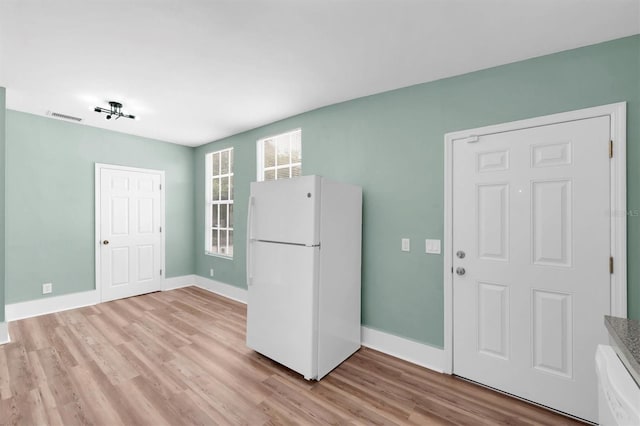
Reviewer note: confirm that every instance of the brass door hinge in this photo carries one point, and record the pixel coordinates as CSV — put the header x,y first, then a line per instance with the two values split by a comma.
x,y
611,265
610,149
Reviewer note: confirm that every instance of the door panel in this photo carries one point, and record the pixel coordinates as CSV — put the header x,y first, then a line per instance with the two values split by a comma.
x,y
551,239
493,221
530,212
280,308
119,265
130,261
145,215
286,210
493,319
552,333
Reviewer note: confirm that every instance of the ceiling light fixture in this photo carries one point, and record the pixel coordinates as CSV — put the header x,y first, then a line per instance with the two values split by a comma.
x,y
115,110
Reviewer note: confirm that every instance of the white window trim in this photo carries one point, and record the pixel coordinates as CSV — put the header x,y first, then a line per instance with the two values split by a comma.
x,y
208,202
260,169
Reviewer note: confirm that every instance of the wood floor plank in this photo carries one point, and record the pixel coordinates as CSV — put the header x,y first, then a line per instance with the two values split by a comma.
x,y
20,379
162,378
179,358
214,416
5,387
34,336
223,395
252,391
43,412
111,332
127,410
94,396
12,414
56,376
37,371
155,328
145,411
358,405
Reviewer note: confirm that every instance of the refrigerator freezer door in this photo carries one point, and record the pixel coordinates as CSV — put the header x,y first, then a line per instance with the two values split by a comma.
x,y
286,210
281,311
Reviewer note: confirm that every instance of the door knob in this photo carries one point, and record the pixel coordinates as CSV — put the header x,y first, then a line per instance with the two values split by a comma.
x,y
105,242
460,254
460,271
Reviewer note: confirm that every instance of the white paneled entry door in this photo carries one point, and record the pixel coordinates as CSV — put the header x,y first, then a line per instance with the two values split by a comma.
x,y
531,260
129,222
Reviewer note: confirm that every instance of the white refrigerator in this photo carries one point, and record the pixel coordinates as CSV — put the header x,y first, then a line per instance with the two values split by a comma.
x,y
303,272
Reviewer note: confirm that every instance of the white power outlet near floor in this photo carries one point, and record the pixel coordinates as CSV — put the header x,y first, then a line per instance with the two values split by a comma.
x,y
47,288
211,272
406,244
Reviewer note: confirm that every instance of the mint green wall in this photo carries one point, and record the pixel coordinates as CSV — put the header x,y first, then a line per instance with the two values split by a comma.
x,y
50,201
2,197
392,145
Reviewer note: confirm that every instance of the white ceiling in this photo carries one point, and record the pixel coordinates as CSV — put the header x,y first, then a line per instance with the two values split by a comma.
x,y
196,71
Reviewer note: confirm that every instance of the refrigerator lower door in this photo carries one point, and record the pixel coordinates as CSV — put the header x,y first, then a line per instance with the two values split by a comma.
x,y
281,308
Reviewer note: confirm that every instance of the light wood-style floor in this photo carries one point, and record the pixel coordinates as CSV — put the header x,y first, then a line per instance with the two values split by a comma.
x,y
179,358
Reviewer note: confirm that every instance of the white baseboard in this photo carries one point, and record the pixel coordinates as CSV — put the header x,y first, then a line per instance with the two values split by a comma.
x,y
49,305
4,333
408,350
178,282
229,291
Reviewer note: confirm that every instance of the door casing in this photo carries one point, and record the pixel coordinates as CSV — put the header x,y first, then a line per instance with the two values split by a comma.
x,y
618,204
98,219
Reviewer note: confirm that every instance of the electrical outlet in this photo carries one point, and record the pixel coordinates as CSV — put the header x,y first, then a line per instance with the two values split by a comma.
x,y
211,272
406,244
47,288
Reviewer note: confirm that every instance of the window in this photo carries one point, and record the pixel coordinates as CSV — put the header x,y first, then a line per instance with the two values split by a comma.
x,y
280,157
219,214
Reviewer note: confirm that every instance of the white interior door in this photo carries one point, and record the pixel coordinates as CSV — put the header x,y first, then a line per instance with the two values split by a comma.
x,y
130,232
531,228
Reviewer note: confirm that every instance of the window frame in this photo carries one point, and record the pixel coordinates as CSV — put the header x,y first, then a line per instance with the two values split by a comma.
x,y
260,168
209,203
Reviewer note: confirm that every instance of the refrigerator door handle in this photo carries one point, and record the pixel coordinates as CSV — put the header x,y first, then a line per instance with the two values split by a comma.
x,y
249,266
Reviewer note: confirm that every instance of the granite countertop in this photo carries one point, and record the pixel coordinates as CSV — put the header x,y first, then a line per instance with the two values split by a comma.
x,y
625,336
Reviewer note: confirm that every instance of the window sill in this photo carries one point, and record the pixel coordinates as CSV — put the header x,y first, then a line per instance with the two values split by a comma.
x,y
221,256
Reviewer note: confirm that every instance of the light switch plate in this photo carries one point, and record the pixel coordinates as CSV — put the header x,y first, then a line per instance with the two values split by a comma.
x,y
406,244
432,247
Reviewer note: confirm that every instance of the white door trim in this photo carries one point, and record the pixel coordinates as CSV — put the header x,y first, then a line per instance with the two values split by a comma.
x,y
618,204
98,168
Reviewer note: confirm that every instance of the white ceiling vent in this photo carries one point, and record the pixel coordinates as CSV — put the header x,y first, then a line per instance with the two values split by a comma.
x,y
63,116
